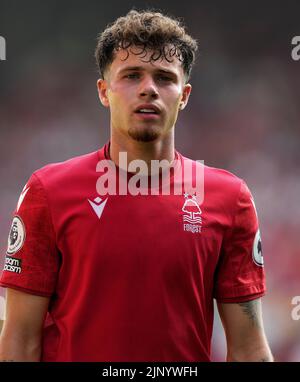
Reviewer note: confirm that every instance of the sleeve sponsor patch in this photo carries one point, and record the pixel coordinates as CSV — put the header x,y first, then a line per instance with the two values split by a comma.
x,y
12,265
16,236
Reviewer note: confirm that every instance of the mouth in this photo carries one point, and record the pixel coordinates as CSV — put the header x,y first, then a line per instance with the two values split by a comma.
x,y
147,111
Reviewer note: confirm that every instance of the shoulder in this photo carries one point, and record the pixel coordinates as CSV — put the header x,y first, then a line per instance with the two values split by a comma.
x,y
222,178
218,178
61,172
228,187
222,189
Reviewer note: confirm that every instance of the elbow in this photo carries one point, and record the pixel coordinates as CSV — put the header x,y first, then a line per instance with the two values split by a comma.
x,y
18,350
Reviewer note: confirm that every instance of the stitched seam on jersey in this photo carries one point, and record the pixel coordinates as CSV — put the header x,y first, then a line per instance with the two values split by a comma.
x,y
48,203
49,216
242,298
50,219
237,288
229,231
18,287
236,207
233,229
238,293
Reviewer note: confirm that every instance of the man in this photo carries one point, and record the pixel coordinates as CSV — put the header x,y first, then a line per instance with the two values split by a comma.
x,y
132,276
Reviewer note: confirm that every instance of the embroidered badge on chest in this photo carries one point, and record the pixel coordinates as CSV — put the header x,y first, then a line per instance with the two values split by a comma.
x,y
192,220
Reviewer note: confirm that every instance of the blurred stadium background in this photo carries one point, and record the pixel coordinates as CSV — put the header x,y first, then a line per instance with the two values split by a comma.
x,y
244,115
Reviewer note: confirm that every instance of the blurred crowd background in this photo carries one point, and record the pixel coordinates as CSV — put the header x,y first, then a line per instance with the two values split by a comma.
x,y
243,115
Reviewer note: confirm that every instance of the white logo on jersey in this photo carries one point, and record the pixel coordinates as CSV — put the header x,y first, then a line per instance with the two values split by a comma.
x,y
98,206
257,250
22,196
16,236
191,219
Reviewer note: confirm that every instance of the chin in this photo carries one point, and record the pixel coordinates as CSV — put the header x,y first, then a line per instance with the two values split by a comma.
x,y
149,134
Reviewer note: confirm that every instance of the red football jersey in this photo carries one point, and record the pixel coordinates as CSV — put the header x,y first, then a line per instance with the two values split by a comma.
x,y
132,278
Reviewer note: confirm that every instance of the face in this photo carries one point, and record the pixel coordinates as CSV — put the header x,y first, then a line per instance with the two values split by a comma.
x,y
144,97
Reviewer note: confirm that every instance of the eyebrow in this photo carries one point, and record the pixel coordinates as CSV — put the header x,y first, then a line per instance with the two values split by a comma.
x,y
140,68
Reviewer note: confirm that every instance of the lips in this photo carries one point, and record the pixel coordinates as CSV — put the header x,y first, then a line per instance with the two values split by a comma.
x,y
147,109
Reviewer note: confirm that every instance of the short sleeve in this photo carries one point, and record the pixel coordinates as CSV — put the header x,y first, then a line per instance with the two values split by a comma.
x,y
240,271
32,261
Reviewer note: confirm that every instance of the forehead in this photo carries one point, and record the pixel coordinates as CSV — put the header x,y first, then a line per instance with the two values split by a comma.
x,y
136,57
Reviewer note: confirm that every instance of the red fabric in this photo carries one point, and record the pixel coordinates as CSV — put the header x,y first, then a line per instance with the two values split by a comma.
x,y
38,255
133,285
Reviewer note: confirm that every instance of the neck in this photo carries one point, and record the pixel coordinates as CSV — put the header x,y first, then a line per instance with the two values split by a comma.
x,y
146,151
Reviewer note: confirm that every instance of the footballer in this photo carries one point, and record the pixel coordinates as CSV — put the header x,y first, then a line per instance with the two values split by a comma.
x,y
132,277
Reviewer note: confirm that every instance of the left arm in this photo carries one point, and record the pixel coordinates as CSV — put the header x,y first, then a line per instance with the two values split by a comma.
x,y
244,331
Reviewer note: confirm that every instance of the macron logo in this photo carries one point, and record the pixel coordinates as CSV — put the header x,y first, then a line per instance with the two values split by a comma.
x,y
98,206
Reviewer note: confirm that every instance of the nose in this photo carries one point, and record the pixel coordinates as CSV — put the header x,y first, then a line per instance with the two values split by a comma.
x,y
148,88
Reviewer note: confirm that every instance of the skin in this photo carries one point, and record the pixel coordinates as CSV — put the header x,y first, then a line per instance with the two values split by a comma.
x,y
244,331
122,90
21,335
131,81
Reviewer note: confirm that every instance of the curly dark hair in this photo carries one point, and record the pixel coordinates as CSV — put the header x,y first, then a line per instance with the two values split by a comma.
x,y
149,30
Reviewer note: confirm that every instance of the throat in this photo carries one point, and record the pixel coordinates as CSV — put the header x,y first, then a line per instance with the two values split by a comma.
x,y
146,152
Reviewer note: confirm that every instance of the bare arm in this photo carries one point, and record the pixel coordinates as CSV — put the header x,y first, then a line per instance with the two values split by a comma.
x,y
245,336
21,335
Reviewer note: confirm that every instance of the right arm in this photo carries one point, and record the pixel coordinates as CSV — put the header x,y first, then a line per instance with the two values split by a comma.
x,y
21,335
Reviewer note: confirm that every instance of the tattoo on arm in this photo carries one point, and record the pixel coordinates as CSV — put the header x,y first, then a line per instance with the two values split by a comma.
x,y
250,308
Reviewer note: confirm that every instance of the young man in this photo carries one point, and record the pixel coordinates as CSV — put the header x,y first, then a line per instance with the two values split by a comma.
x,y
131,276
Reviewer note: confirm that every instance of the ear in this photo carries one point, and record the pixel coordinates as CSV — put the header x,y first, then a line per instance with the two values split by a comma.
x,y
185,96
102,87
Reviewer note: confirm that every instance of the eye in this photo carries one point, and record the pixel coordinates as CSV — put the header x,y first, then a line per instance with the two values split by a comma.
x,y
132,76
164,78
